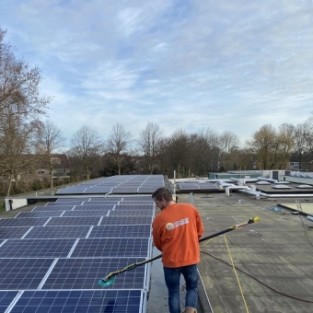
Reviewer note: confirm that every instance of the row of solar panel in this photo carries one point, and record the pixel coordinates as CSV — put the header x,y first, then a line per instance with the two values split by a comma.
x,y
84,301
122,184
66,261
196,186
108,231
67,248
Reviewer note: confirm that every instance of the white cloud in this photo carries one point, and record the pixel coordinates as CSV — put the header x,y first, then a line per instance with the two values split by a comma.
x,y
230,65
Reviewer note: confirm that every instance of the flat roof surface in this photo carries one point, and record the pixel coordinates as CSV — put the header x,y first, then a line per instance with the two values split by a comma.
x,y
274,257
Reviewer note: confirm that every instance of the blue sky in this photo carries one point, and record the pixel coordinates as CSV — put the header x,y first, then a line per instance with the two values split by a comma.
x,y
231,65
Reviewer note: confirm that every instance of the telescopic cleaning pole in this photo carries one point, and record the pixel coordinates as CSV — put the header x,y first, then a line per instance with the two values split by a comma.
x,y
110,278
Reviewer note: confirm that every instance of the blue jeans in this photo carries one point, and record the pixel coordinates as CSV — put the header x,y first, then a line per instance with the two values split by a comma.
x,y
172,276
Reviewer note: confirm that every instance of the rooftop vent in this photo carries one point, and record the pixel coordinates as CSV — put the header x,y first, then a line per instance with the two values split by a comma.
x,y
263,182
281,187
304,186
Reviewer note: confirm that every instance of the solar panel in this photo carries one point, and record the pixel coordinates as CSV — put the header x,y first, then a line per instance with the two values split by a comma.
x,y
81,273
91,206
69,244
13,232
112,247
59,207
39,221
73,201
130,213
124,189
22,273
121,231
52,232
6,297
84,301
109,200
126,220
98,189
29,248
147,189
125,207
39,214
71,191
71,221
84,213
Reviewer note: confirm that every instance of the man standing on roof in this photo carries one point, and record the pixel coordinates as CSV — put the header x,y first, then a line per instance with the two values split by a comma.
x,y
176,232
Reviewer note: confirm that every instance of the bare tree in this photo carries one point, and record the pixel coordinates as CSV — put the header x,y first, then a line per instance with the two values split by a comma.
x,y
20,106
15,148
48,141
19,85
262,144
228,144
117,144
86,148
148,143
285,137
300,141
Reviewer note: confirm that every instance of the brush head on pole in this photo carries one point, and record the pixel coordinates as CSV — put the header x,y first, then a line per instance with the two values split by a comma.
x,y
106,281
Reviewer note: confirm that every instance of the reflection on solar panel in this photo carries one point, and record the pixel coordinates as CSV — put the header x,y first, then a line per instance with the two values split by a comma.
x,y
22,273
117,231
81,273
84,301
112,247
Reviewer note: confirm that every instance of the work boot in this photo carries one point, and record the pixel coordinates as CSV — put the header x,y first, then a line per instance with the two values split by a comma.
x,y
189,309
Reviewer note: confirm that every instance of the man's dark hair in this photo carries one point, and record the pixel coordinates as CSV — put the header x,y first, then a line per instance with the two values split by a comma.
x,y
162,193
